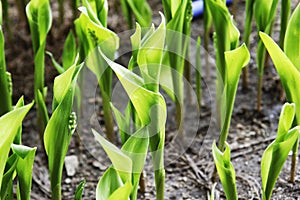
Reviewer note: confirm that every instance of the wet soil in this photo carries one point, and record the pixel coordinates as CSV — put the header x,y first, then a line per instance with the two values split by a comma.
x,y
189,164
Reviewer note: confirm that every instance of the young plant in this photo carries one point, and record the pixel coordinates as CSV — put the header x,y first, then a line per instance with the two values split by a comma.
x,y
69,55
288,68
264,14
235,60
277,152
140,9
40,19
79,190
93,33
284,19
5,80
24,169
226,37
9,126
61,126
128,163
178,17
207,18
225,170
246,36
148,105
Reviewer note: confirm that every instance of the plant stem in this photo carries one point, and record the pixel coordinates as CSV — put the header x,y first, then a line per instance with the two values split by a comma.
x,y
160,183
6,104
245,77
284,18
108,118
142,183
294,161
61,11
259,92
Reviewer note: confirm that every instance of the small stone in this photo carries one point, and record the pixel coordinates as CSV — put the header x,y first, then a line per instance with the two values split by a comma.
x,y
71,164
68,180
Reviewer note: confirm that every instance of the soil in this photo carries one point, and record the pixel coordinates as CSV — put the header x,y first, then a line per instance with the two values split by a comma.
x,y
188,169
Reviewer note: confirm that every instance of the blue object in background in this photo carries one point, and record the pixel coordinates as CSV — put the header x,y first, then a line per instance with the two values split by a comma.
x,y
198,7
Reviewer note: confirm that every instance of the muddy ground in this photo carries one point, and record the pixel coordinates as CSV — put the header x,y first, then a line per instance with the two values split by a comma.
x,y
188,171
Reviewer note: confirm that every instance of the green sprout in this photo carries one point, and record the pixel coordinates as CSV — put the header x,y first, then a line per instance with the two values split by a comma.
x,y
10,124
140,9
5,80
277,152
264,14
135,148
92,33
235,60
61,126
284,19
246,36
40,19
24,169
69,55
288,68
226,37
207,18
178,17
225,170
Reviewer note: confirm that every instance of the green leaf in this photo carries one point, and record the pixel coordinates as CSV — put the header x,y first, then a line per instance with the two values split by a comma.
x,y
61,126
5,98
122,193
40,19
6,189
69,51
292,39
235,61
57,66
289,75
264,14
273,159
141,98
120,161
226,32
109,182
225,170
141,11
24,169
79,190
150,54
9,125
248,21
286,118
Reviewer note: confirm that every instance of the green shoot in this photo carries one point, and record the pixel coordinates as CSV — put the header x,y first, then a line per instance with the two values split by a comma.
x,y
288,67
69,55
24,170
178,17
264,14
140,9
93,33
277,152
292,39
235,61
284,19
40,19
207,27
225,170
5,99
9,126
79,190
226,37
61,126
246,36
